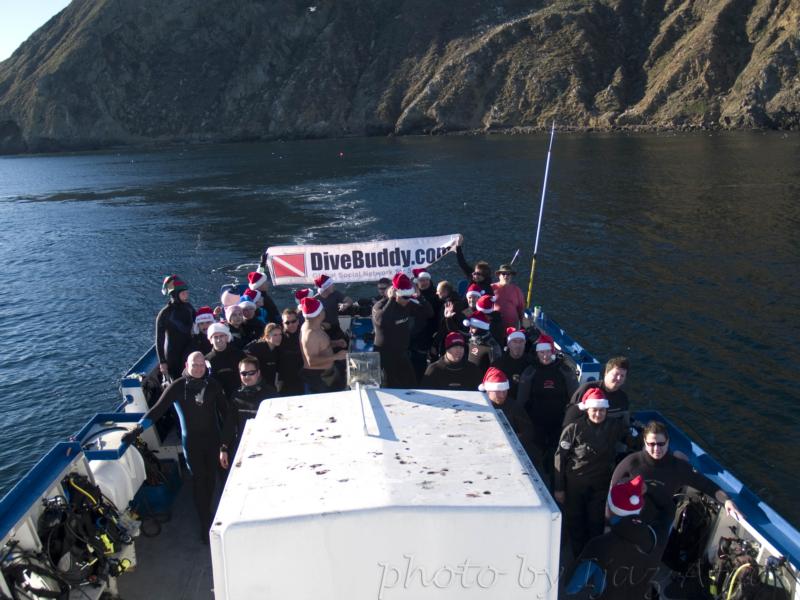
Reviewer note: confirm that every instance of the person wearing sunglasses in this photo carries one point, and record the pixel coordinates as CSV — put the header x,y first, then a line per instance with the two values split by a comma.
x,y
666,473
290,356
243,406
480,274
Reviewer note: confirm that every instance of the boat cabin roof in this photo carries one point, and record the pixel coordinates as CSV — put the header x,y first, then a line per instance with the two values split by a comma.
x,y
372,448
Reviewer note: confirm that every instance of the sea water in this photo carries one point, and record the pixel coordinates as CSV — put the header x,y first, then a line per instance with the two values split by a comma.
x,y
679,251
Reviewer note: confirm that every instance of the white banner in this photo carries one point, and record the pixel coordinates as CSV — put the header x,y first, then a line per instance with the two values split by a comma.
x,y
351,263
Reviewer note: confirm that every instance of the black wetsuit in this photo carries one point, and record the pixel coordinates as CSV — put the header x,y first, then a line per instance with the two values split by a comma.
x,y
449,324
252,330
200,343
244,405
618,405
583,465
485,285
513,368
544,392
483,350
225,368
664,478
200,404
392,327
267,360
238,340
617,565
290,365
444,375
174,325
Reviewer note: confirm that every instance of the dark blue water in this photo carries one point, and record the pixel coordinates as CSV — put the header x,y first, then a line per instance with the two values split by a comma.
x,y
680,251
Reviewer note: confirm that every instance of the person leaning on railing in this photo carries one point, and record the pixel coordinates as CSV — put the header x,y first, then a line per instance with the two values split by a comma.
x,y
666,474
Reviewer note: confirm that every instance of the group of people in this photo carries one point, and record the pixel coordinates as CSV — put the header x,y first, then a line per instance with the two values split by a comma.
x,y
224,362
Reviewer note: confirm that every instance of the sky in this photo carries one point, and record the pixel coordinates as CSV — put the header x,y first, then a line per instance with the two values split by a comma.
x,y
20,18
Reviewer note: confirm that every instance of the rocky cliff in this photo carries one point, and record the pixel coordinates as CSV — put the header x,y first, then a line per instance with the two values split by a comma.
x,y
106,72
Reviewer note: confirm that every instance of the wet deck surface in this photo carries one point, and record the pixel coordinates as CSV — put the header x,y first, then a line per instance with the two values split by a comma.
x,y
173,565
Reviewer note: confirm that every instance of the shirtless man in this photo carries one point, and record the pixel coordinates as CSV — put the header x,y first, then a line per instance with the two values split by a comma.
x,y
320,372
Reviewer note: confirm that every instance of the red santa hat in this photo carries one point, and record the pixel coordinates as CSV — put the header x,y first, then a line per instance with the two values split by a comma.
x,y
453,338
219,328
515,334
545,343
300,294
253,295
478,320
323,282
593,398
494,381
256,280
402,285
485,304
420,274
311,307
627,498
204,315
474,290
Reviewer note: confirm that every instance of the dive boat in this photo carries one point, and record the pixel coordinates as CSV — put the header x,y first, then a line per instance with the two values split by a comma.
x,y
366,493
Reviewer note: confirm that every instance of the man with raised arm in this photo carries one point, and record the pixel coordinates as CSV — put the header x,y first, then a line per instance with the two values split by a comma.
x,y
391,319
320,371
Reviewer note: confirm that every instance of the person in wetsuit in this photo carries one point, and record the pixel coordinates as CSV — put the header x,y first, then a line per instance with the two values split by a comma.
x,y
619,564
514,360
320,370
224,358
482,348
614,377
203,319
583,465
267,351
391,323
496,386
234,319
174,325
544,392
480,274
290,356
201,404
452,371
244,404
424,329
665,474
252,326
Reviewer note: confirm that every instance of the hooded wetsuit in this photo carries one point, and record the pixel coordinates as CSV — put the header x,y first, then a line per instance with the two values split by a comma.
x,y
174,325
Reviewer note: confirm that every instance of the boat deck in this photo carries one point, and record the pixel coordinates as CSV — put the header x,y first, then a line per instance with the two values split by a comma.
x,y
173,565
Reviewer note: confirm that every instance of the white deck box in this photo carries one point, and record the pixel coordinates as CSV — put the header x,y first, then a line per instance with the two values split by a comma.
x,y
383,494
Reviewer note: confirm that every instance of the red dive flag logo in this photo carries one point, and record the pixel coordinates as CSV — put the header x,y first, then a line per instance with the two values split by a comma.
x,y
289,265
